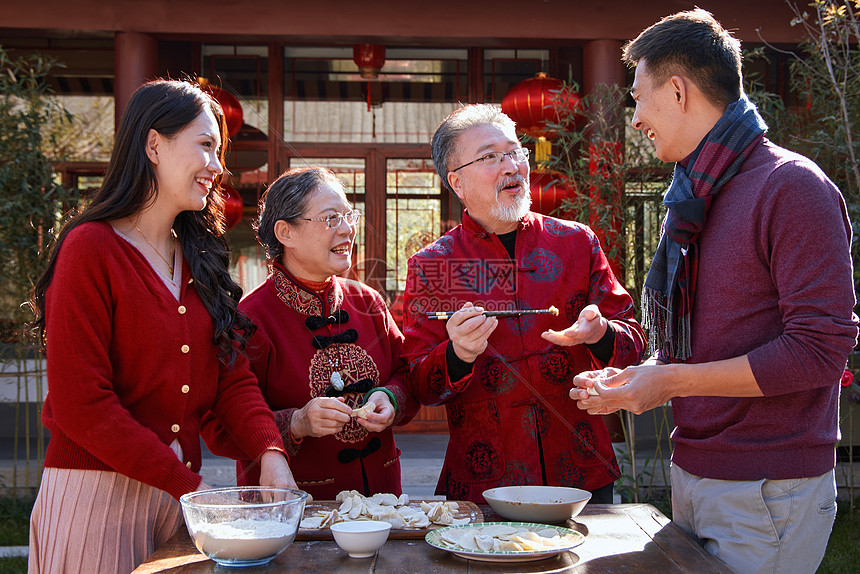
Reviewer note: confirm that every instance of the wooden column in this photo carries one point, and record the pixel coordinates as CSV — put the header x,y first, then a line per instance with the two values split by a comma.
x,y
602,64
135,62
375,237
276,110
475,76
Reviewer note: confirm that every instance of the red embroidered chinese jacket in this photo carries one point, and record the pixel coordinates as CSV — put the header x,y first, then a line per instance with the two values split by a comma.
x,y
291,371
511,420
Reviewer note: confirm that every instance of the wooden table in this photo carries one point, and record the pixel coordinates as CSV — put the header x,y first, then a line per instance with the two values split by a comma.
x,y
619,538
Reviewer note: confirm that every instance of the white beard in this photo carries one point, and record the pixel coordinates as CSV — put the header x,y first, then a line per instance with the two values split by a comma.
x,y
515,211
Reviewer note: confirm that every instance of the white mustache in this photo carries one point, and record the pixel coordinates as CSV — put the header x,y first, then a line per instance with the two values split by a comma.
x,y
508,181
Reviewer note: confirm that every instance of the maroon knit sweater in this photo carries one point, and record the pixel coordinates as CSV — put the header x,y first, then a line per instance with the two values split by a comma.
x,y
130,368
775,282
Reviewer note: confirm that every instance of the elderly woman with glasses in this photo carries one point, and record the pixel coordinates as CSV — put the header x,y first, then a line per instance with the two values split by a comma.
x,y
326,351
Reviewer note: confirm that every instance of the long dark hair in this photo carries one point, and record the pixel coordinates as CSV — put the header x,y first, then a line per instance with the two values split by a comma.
x,y
166,106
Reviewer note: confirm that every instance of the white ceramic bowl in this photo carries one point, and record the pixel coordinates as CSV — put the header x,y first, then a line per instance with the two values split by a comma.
x,y
243,526
362,538
537,503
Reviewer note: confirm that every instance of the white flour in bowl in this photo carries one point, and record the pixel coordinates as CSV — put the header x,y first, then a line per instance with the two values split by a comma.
x,y
244,539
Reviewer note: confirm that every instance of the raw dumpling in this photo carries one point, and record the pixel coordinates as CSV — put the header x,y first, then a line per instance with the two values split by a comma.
x,y
361,412
421,521
385,499
484,542
344,494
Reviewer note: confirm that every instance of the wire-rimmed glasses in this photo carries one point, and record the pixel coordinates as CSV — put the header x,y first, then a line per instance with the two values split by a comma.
x,y
518,155
336,219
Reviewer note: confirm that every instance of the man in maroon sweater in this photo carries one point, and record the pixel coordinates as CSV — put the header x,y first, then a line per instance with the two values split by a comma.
x,y
749,302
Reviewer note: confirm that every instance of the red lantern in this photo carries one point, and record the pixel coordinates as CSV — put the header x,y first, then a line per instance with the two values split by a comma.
x,y
548,188
233,206
369,58
532,102
229,104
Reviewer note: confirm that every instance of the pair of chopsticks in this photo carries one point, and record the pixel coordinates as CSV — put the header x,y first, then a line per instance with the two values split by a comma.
x,y
444,315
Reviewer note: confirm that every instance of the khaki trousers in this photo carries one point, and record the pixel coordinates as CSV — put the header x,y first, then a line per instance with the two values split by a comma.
x,y
761,526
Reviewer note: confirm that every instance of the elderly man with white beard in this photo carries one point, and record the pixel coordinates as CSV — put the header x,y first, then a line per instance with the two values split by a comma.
x,y
504,380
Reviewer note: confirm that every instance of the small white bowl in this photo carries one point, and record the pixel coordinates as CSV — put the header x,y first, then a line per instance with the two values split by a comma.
x,y
537,503
361,539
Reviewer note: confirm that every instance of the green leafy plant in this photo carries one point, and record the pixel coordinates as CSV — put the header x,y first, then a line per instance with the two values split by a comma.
x,y
30,205
31,200
616,179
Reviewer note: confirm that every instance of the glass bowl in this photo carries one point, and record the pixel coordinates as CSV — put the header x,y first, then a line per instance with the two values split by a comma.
x,y
243,526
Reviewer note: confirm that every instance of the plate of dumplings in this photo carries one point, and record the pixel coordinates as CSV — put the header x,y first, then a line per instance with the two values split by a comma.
x,y
505,541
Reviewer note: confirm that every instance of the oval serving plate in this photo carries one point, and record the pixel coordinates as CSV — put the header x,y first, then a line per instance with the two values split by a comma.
x,y
435,539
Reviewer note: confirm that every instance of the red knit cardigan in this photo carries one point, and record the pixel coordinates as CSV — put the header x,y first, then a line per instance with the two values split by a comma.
x,y
130,368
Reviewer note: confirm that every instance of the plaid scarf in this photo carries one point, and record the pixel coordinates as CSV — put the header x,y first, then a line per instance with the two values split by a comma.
x,y
670,287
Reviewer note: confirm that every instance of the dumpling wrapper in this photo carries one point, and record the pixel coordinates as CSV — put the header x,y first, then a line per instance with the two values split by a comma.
x,y
508,546
452,536
312,522
499,530
533,542
467,541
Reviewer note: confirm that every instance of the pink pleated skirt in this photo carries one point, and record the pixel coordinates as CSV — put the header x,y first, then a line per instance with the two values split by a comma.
x,y
97,521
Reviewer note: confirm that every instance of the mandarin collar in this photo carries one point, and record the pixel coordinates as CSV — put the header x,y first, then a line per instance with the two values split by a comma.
x,y
302,300
472,226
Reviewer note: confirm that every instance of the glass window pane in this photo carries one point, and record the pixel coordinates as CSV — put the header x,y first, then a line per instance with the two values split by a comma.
x,y
414,208
351,122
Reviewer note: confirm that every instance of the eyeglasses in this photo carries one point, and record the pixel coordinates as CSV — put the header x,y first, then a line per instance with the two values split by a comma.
x,y
518,155
335,220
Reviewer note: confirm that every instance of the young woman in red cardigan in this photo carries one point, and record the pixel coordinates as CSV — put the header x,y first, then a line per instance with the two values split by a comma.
x,y
142,336
324,345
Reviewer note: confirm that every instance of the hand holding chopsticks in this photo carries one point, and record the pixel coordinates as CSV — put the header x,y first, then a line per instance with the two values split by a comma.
x,y
444,315
469,331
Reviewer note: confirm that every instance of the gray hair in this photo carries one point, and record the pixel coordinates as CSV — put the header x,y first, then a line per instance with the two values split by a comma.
x,y
444,141
286,199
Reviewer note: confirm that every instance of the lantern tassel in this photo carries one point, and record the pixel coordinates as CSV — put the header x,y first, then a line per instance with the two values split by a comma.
x,y
543,149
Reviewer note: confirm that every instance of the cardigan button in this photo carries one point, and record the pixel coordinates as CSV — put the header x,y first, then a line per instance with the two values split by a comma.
x,y
175,428
188,464
185,348
185,389
181,309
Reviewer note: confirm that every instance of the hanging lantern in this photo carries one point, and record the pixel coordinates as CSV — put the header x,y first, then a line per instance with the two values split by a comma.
x,y
548,188
369,58
229,104
233,206
531,103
